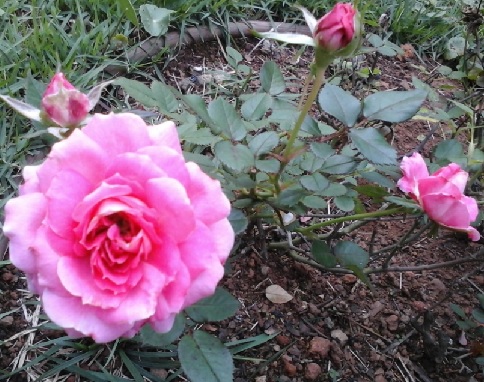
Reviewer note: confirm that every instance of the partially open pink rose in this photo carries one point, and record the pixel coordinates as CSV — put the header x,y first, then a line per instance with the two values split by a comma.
x,y
63,103
338,28
115,229
440,195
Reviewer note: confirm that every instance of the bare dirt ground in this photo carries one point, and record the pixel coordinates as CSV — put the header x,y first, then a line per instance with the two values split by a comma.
x,y
334,329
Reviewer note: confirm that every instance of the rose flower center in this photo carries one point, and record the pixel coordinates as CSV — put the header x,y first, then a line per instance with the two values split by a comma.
x,y
117,246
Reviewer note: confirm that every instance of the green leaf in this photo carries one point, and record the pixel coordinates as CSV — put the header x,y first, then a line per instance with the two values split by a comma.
x,y
345,203
238,220
264,143
233,56
480,361
310,162
33,91
153,338
268,165
340,104
313,201
373,146
227,119
166,101
448,150
338,164
128,10
314,182
455,47
373,191
351,254
402,202
237,157
310,127
203,161
202,136
334,189
322,254
466,325
197,104
271,78
480,297
458,310
205,359
393,106
290,196
478,314
321,150
131,367
238,346
378,178
155,20
139,91
256,106
218,307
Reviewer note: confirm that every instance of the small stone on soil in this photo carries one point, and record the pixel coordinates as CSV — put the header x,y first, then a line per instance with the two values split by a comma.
x,y
340,336
313,370
320,346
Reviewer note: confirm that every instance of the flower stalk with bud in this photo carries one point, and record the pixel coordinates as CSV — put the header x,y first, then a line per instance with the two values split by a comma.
x,y
336,34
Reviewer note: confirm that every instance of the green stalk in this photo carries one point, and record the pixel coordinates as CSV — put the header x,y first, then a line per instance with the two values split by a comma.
x,y
342,219
318,82
287,152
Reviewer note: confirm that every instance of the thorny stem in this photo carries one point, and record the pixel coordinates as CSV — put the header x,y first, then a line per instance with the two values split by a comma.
x,y
318,82
348,229
477,257
427,267
374,214
306,106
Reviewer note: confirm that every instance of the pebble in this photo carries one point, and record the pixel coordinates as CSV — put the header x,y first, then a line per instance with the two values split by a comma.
x,y
438,285
162,373
375,308
314,309
6,321
349,279
320,346
289,368
392,322
419,306
7,276
340,336
313,370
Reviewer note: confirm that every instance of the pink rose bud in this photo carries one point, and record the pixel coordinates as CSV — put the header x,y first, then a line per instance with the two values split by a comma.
x,y
63,104
441,195
339,31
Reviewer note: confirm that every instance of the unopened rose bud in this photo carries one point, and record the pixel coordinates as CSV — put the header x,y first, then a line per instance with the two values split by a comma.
x,y
63,104
338,33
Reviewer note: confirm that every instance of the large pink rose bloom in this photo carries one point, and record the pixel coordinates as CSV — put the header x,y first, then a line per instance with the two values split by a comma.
x,y
441,195
115,229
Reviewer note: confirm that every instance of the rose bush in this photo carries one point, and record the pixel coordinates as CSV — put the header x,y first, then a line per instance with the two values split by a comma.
x,y
63,104
115,229
441,195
